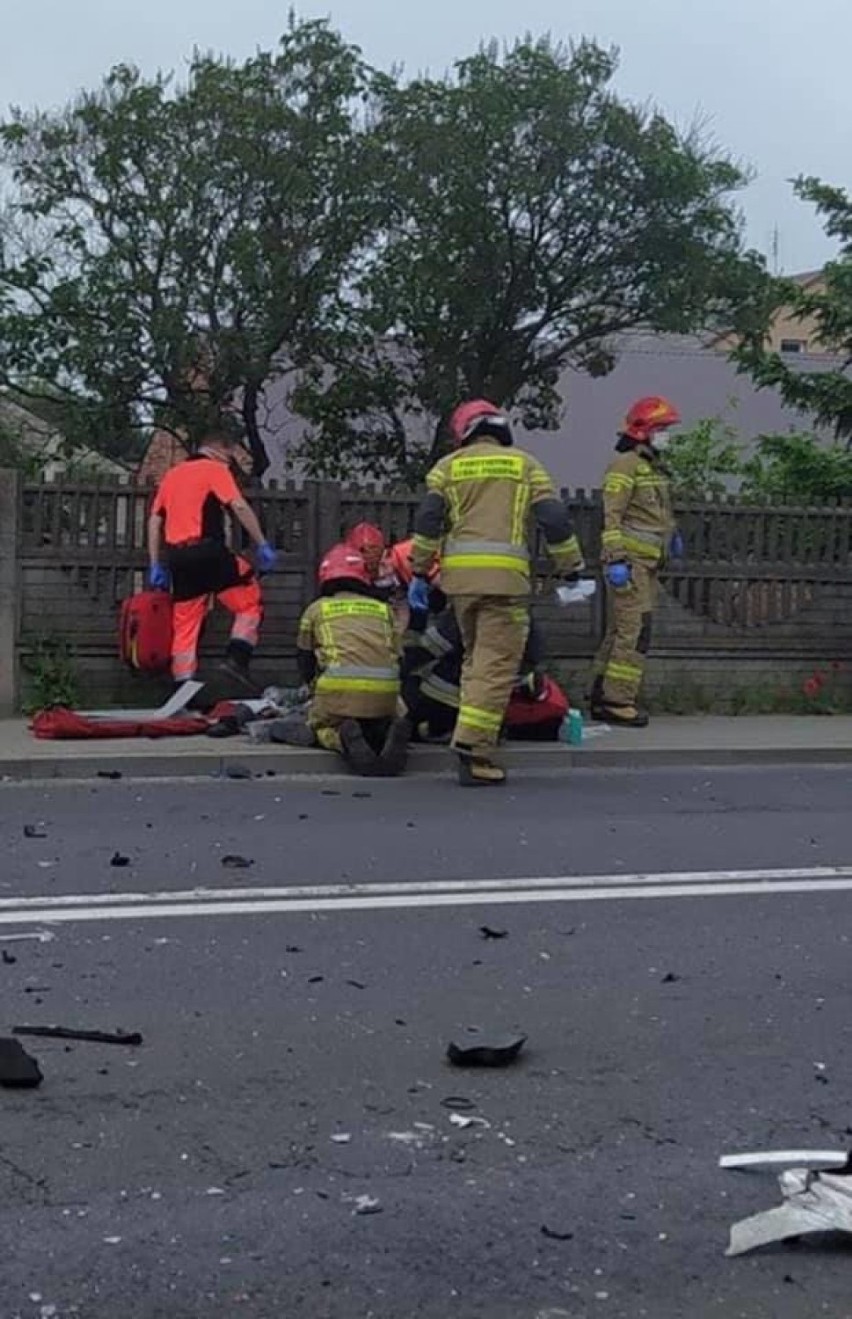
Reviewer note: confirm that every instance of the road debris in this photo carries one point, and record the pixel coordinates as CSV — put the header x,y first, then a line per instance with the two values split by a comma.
x,y
501,1054
234,862
671,978
465,1123
85,1036
553,1235
341,1138
18,1070
8,959
41,936
768,1160
489,932
367,1204
814,1202
112,774
458,1103
119,860
35,831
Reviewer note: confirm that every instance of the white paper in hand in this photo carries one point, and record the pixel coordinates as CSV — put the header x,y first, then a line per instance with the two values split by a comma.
x,y
577,593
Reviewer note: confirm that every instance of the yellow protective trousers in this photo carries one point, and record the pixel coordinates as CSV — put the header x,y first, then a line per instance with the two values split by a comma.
x,y
620,662
494,633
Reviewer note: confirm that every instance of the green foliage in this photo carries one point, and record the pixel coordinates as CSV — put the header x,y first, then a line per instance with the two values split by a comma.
x,y
826,395
797,468
706,461
51,675
531,216
169,249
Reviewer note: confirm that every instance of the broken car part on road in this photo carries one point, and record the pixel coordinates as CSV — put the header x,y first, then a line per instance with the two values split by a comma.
x,y
815,1200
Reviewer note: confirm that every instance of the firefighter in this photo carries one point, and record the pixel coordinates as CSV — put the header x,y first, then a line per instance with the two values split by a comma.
x,y
369,541
189,554
348,649
639,533
432,666
476,517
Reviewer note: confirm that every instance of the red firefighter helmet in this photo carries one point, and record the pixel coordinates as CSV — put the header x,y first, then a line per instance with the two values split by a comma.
x,y
367,538
343,563
467,416
649,415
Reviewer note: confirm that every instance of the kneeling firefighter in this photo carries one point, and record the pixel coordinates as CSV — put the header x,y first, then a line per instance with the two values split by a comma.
x,y
348,649
476,519
639,534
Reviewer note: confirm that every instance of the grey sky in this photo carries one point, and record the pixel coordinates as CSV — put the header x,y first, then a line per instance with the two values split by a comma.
x,y
770,76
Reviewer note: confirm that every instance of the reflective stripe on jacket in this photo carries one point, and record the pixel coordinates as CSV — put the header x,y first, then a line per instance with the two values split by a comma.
x,y
638,517
356,648
485,495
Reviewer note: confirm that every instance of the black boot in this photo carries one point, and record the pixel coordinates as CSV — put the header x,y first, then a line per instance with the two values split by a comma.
x,y
394,753
357,752
236,665
623,716
596,700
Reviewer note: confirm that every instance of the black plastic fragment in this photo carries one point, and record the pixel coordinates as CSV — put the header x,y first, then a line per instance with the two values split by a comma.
x,y
489,932
501,1054
87,1036
34,831
234,862
553,1235
112,774
17,1069
458,1104
119,860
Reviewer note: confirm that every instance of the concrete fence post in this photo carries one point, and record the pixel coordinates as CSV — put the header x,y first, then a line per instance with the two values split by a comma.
x,y
10,587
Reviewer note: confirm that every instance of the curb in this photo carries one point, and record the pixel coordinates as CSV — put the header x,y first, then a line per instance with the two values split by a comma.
x,y
260,762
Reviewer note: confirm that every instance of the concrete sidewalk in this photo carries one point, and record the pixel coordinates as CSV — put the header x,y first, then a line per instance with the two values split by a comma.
x,y
670,740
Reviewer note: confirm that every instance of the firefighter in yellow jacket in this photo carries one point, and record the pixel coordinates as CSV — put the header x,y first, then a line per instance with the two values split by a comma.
x,y
348,650
638,535
476,516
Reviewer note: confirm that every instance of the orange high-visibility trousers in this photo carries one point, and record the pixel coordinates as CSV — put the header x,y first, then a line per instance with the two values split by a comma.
x,y
244,601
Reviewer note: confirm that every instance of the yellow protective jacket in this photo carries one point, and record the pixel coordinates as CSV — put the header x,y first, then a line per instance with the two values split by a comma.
x,y
638,517
477,517
356,652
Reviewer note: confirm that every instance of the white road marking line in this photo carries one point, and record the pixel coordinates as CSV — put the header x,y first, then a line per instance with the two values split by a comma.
x,y
407,888
106,910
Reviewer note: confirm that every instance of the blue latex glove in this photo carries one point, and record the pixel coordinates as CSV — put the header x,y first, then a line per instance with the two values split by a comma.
x,y
266,557
677,547
159,578
418,595
618,575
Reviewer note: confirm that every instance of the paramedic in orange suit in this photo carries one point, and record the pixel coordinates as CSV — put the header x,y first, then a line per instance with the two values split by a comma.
x,y
188,553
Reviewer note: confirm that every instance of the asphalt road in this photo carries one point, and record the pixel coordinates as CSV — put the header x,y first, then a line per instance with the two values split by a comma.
x,y
293,1061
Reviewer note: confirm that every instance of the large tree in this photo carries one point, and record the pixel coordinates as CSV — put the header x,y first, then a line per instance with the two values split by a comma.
x,y
826,305
168,250
532,216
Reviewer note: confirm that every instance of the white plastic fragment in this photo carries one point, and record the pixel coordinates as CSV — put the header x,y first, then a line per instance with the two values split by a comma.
x,y
341,1138
771,1159
814,1202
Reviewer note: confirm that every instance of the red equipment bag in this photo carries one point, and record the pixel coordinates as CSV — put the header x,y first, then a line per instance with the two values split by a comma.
x,y
145,631
537,718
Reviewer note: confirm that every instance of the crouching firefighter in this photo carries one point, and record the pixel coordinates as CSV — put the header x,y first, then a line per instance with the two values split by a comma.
x,y
638,535
476,518
188,552
432,667
348,650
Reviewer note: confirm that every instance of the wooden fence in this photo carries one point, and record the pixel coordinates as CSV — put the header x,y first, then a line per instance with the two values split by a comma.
x,y
761,588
